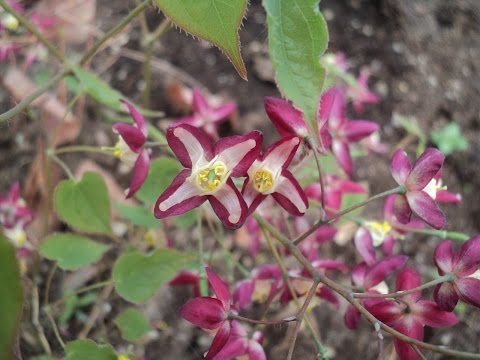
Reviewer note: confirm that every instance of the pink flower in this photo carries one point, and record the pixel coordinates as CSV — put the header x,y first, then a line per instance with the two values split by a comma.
x,y
370,277
419,183
239,345
207,174
464,266
360,94
286,119
187,277
410,315
268,175
211,313
337,131
130,148
13,209
206,116
443,196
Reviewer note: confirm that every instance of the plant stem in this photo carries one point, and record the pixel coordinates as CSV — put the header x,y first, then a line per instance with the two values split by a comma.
x,y
54,326
262,322
322,222
115,30
320,172
442,279
30,27
63,166
22,105
80,148
49,284
82,290
201,268
442,234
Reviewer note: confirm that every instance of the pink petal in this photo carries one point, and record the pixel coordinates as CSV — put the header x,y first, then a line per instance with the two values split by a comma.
x,y
412,329
326,104
356,130
290,195
352,317
325,139
187,278
401,209
233,349
443,257
400,166
325,233
138,118
205,312
388,244
286,119
229,205
359,273
238,152
424,169
199,103
139,173
255,351
336,116
445,296
364,245
220,288
469,290
409,279
328,295
386,311
381,270
433,316
193,120
131,135
446,197
328,264
342,154
14,192
426,209
468,257
181,196
223,111
279,155
219,341
242,296
251,196
191,146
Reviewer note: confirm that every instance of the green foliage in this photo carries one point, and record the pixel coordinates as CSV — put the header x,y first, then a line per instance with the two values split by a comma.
x,y
70,251
89,350
11,297
138,276
450,139
84,205
132,324
97,88
410,125
138,215
297,37
349,200
216,21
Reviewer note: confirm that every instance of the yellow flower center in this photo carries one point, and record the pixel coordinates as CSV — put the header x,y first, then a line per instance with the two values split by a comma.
x,y
379,231
211,178
263,180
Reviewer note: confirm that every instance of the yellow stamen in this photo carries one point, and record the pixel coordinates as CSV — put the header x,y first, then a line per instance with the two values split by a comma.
x,y
379,231
263,180
211,178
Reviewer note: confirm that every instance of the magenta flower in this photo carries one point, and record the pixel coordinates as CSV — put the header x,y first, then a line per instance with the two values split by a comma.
x,y
370,276
286,119
211,313
239,345
360,94
13,209
268,175
464,266
207,174
410,315
337,131
206,116
187,277
443,196
419,183
130,148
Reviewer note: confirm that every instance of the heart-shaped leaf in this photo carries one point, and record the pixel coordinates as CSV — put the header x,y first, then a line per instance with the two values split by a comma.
x,y
84,205
138,276
11,297
216,21
132,324
89,350
71,251
138,215
297,37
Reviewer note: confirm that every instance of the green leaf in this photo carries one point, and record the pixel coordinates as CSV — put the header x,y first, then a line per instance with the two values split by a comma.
x,y
138,276
70,251
349,200
97,88
160,175
89,350
138,215
84,205
216,21
297,37
132,324
11,297
450,139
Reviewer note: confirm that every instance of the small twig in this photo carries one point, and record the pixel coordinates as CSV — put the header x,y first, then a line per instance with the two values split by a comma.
x,y
36,321
380,338
263,322
81,291
63,166
49,284
54,326
96,311
419,353
320,173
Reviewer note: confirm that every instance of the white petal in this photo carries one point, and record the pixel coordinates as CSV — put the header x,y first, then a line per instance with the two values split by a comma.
x,y
277,158
229,199
234,154
186,191
286,188
193,146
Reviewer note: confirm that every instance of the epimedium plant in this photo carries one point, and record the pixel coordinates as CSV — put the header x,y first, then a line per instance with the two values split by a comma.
x,y
308,173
